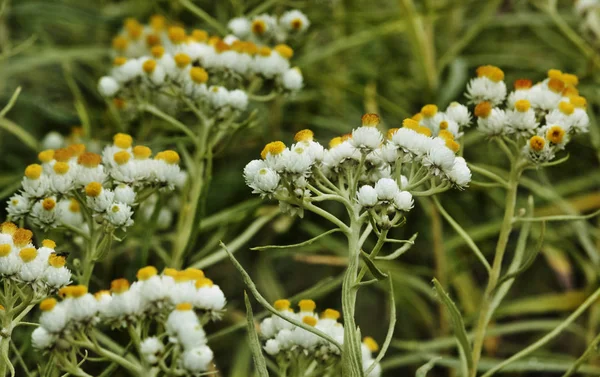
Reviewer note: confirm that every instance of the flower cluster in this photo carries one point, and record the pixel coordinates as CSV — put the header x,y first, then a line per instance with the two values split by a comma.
x,y
540,118
380,172
266,27
177,296
168,66
42,269
71,182
288,342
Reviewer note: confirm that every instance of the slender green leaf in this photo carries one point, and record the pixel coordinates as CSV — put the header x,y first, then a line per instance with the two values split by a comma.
x,y
424,369
257,355
375,271
529,258
301,244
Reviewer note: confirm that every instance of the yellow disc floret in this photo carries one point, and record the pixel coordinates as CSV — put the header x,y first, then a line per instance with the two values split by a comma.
x,y
198,75
204,282
122,140
556,85
74,206
493,73
264,51
282,304
158,22
56,261
98,295
5,250
566,108
146,273
410,124
423,131
371,344
259,27
555,134
48,204
157,51
119,61
177,34
8,228
578,101
429,111
61,168
184,306
370,120
335,142
194,273
537,143
307,305
309,320
119,286
483,109
182,60
141,152
149,66
28,254
273,148
391,133
200,35
522,105
169,156
152,40
50,244
48,304
569,79
46,156
304,135
522,84
122,157
22,237
120,43
89,159
33,171
331,314
284,50
79,290
93,189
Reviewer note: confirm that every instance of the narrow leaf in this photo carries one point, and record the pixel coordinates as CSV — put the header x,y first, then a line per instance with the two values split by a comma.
x,y
305,243
375,271
424,369
401,250
390,331
257,355
529,259
457,323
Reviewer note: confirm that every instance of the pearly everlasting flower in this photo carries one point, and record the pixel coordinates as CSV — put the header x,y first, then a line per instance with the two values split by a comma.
x,y
208,296
368,138
56,275
108,86
151,349
119,215
98,198
459,114
240,26
294,21
197,359
367,196
491,121
124,194
292,79
403,201
488,86
42,339
18,206
460,174
386,189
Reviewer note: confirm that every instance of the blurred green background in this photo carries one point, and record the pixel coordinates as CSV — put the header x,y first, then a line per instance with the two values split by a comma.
x,y
383,56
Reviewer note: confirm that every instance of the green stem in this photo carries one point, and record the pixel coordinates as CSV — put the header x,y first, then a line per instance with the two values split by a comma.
x,y
486,310
592,349
351,354
5,335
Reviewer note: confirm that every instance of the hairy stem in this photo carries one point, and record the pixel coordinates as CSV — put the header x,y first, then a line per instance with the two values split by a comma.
x,y
487,309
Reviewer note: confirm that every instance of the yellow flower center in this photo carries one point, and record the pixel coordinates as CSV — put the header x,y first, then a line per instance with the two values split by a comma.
x,y
371,344
157,22
121,157
170,272
89,159
79,290
74,206
274,148
146,273
281,305
46,156
49,244
184,306
204,282
493,73
22,237
8,228
555,134
48,204
119,61
304,135
335,142
522,105
331,314
429,110
47,304
259,27
133,27
522,84
370,120
566,108
119,286
157,51
98,295
149,66
93,189
569,79
309,320
536,143
33,171
556,85
554,73
182,60
391,133
177,34
307,305
579,102
56,261
200,35
410,124
4,250
198,75
483,109
61,168
194,273
284,50
120,43
152,40
423,130
443,125
169,156
264,51
141,152
28,254
296,24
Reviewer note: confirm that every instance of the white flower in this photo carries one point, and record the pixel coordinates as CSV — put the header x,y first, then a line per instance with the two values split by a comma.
x,y
240,26
108,86
367,196
386,189
119,215
42,339
494,123
83,308
294,21
292,79
209,297
54,316
124,194
403,201
218,96
271,65
151,348
37,187
98,198
251,170
272,347
439,157
460,174
18,206
238,99
53,140
32,265
10,262
57,277
265,182
459,113
297,159
482,89
366,137
198,359
181,319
